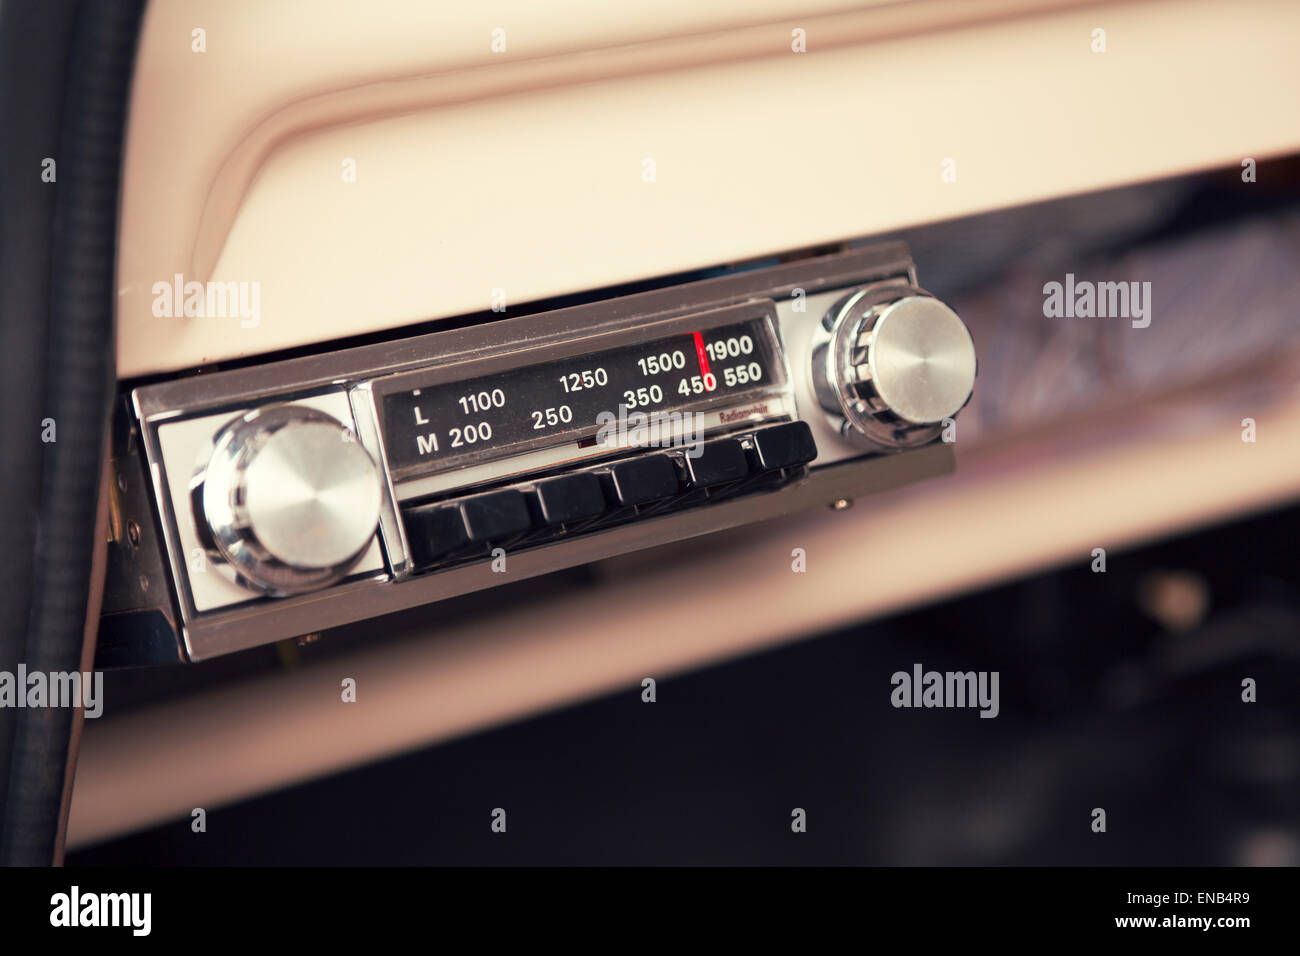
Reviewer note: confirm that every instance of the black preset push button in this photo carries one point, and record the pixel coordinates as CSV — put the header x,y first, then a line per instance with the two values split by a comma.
x,y
434,531
568,498
717,463
783,446
639,481
495,516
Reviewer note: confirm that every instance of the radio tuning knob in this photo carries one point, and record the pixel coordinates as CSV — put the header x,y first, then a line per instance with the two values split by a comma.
x,y
890,365
290,498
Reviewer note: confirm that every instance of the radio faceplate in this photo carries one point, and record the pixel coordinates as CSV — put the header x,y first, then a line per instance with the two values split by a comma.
x,y
577,381
556,438
517,412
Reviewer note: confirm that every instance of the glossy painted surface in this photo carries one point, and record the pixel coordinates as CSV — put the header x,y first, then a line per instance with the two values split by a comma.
x,y
351,173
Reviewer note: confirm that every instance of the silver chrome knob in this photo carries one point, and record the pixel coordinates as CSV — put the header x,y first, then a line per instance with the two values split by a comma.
x,y
290,498
892,364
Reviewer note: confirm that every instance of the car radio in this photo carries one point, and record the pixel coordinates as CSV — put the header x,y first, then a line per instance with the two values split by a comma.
x,y
275,500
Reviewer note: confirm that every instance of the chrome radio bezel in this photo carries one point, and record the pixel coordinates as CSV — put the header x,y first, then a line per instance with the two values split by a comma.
x,y
364,373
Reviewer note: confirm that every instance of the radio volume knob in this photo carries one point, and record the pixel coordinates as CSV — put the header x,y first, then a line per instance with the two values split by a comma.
x,y
290,497
892,364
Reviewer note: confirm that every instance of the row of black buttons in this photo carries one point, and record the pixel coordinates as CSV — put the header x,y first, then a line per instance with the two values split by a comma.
x,y
604,494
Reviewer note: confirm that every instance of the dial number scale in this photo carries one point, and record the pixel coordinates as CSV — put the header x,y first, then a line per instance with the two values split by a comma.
x,y
430,427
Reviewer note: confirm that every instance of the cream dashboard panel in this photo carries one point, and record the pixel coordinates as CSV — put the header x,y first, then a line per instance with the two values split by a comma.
x,y
477,172
357,171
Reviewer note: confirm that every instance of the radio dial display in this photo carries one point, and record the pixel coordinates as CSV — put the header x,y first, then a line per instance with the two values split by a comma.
x,y
426,427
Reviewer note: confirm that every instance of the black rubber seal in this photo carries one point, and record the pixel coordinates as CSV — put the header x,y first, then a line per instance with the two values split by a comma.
x,y
66,66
